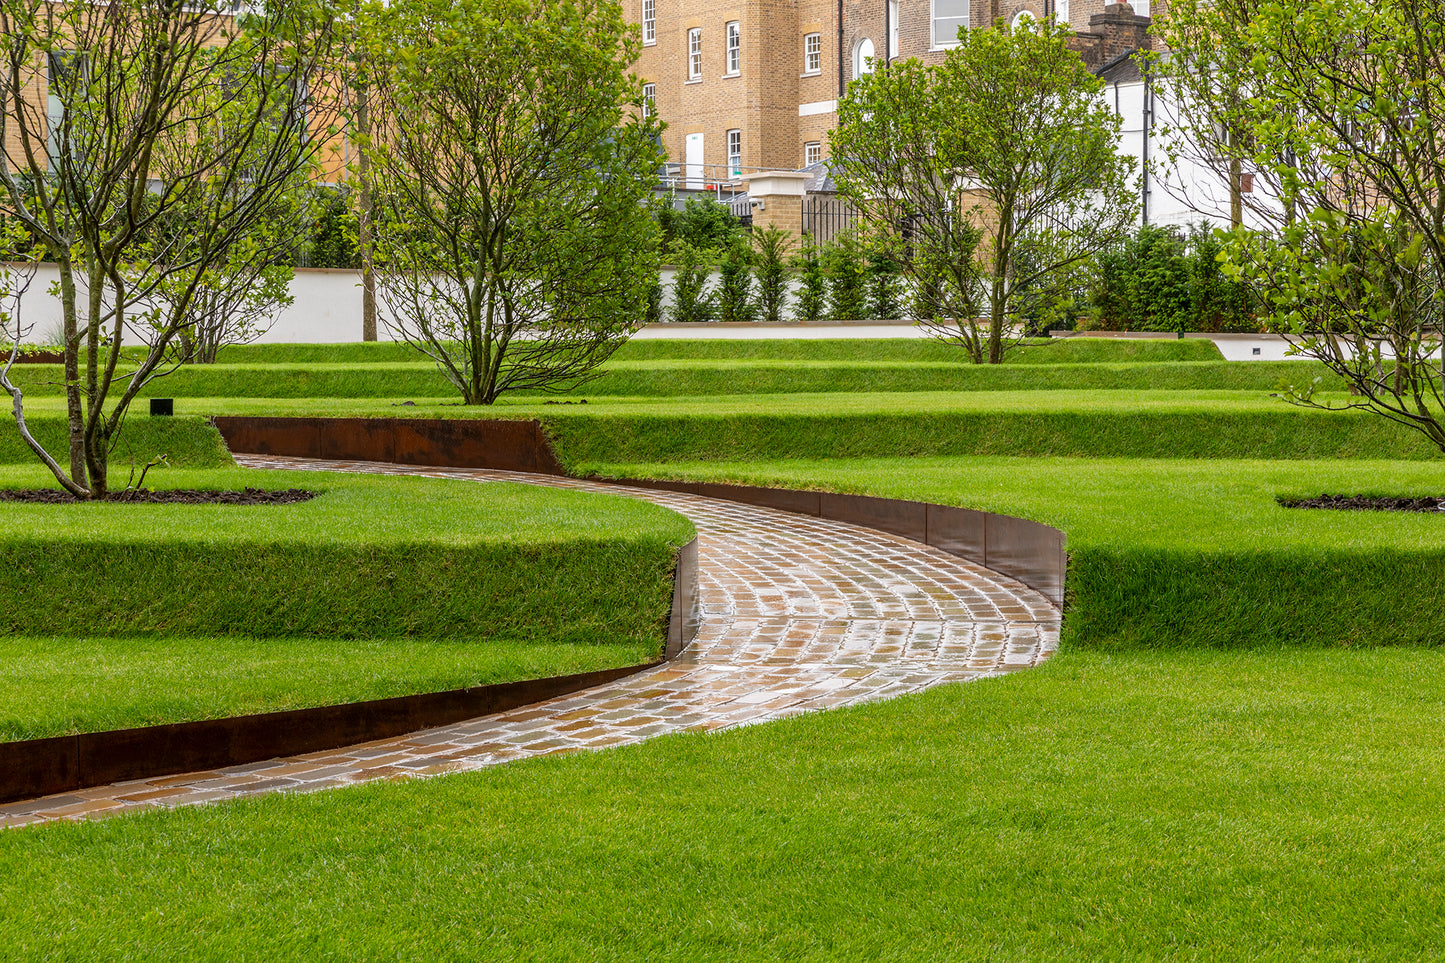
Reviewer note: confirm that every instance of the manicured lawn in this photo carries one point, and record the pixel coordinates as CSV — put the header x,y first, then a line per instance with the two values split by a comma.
x,y
1061,351
1268,805
131,614
1118,423
703,377
1183,553
56,685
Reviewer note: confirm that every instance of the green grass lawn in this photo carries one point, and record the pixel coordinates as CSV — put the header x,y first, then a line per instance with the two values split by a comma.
x,y
133,614
1263,805
1045,351
1118,423
1183,553
61,685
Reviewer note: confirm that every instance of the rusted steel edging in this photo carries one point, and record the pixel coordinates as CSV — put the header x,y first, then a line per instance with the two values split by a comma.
x,y
44,767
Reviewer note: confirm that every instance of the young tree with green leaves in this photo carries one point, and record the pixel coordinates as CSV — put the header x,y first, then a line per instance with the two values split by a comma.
x,y
958,164
509,165
1338,110
165,137
771,249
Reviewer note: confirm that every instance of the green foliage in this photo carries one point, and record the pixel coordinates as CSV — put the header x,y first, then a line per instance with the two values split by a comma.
x,y
771,249
692,301
332,242
734,294
845,261
514,245
885,286
1164,280
812,274
186,441
702,223
1016,115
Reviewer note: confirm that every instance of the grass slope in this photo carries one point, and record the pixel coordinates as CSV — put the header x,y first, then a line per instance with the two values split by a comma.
x,y
136,614
192,442
1139,424
1270,805
1184,553
61,685
1060,351
682,378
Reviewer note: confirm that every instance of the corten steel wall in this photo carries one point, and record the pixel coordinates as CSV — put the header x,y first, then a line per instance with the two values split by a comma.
x,y
42,767
504,445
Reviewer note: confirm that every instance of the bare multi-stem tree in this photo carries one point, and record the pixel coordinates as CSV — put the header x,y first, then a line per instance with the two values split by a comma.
x,y
509,162
143,140
1338,111
989,174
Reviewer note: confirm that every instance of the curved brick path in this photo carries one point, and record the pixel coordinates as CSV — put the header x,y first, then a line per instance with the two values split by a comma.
x,y
799,614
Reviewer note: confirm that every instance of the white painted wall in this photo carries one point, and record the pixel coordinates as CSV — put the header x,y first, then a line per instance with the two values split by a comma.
x,y
1182,192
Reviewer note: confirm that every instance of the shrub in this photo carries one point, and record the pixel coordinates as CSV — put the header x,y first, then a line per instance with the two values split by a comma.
x,y
734,295
845,263
812,295
885,285
770,257
1163,279
691,300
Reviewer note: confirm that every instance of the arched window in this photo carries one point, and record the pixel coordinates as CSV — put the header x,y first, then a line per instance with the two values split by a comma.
x,y
1024,20
863,57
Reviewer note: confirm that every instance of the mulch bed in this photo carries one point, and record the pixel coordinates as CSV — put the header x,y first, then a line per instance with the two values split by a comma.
x,y
177,496
1369,503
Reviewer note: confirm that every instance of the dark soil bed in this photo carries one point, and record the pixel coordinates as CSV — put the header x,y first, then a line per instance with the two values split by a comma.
x,y
1369,503
178,496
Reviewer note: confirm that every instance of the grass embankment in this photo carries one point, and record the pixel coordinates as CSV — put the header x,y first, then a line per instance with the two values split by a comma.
x,y
191,441
683,378
1268,805
1137,424
443,584
1186,553
1044,351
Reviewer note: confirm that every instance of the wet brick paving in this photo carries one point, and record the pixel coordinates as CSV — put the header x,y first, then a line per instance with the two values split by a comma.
x,y
798,614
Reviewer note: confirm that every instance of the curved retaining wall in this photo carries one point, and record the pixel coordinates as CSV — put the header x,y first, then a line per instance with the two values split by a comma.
x,y
1028,551
43,767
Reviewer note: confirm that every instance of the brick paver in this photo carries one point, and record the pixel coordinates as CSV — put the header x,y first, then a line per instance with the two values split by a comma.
x,y
799,614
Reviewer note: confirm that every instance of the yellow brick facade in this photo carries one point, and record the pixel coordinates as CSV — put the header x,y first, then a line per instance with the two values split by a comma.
x,y
776,104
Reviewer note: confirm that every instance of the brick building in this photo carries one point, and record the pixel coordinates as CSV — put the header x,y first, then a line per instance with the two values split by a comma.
x,y
753,84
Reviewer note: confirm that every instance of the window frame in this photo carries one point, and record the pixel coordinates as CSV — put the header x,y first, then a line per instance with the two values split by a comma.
x,y
933,18
649,22
735,158
649,100
813,147
694,54
733,58
815,54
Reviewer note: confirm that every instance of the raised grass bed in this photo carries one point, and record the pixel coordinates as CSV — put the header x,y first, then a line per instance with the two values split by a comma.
x,y
433,582
1182,553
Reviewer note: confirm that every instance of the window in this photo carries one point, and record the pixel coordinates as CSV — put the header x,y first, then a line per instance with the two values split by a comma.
x,y
813,53
649,21
863,58
649,100
735,48
1061,11
694,54
735,152
812,153
949,16
892,29
1024,20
